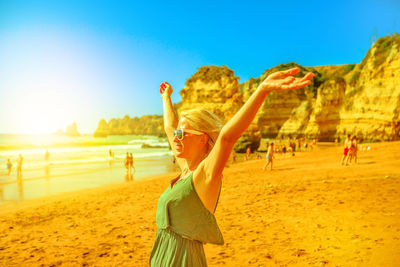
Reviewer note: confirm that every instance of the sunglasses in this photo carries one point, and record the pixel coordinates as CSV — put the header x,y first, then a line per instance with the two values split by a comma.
x,y
180,133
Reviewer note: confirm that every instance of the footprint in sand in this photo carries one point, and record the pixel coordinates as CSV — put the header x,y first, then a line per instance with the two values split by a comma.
x,y
299,252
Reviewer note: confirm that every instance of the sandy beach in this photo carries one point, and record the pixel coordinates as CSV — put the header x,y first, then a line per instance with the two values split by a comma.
x,y
308,211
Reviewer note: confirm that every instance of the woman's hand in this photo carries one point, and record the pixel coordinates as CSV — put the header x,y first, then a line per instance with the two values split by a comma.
x,y
166,89
284,80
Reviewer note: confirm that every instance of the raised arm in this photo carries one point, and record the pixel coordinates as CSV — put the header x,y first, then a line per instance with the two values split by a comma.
x,y
282,80
170,117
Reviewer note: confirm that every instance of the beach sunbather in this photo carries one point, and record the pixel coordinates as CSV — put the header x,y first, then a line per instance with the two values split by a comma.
x,y
202,145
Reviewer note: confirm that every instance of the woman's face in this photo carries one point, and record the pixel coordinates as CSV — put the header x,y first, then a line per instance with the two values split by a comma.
x,y
191,144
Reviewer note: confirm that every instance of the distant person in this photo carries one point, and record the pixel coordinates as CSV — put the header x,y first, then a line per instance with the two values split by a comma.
x,y
269,156
126,163
346,148
233,156
19,166
284,150
9,166
352,154
46,165
110,157
131,165
248,152
292,148
46,155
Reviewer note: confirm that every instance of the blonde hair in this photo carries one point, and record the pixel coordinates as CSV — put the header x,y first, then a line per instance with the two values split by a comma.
x,y
204,121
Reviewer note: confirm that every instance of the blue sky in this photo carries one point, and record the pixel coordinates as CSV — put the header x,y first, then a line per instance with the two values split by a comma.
x,y
80,61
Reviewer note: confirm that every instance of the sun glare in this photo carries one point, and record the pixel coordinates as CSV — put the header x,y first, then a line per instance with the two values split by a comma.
x,y
42,113
47,82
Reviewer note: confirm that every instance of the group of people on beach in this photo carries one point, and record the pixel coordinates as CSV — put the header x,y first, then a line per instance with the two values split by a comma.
x,y
9,166
20,160
128,162
130,168
290,147
350,150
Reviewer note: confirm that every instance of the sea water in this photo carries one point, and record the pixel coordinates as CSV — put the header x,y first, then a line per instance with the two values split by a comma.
x,y
76,163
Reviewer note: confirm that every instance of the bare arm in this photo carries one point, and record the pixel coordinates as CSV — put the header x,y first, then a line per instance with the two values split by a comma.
x,y
170,120
283,80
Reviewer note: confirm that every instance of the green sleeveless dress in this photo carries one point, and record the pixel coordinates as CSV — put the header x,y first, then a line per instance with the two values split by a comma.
x,y
184,224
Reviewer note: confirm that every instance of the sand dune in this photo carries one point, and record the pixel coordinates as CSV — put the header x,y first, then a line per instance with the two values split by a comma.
x,y
309,210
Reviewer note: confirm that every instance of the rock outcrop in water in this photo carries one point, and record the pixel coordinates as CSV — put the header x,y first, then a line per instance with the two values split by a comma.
x,y
358,99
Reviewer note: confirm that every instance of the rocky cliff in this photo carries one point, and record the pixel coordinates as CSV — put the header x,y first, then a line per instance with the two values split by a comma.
x,y
71,130
213,88
217,90
358,99
371,104
146,125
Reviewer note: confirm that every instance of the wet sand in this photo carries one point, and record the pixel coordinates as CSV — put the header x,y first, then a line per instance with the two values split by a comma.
x,y
309,210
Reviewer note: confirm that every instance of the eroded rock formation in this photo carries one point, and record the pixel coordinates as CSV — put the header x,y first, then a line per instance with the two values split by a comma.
x,y
358,99
146,125
213,88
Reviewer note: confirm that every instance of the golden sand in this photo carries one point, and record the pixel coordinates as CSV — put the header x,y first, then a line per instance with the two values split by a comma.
x,y
309,210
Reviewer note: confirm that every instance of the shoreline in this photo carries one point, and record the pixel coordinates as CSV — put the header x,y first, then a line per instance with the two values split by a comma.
x,y
61,180
14,206
309,210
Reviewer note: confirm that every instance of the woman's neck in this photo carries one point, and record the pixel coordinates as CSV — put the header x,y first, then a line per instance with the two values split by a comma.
x,y
191,165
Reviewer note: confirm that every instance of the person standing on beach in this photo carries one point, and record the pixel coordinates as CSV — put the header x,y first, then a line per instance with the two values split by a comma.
x,y
47,164
248,152
131,165
110,158
284,150
352,154
233,156
127,163
202,145
346,148
19,166
270,156
47,156
9,166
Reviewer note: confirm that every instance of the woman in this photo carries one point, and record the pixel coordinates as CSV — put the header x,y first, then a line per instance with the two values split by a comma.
x,y
185,211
